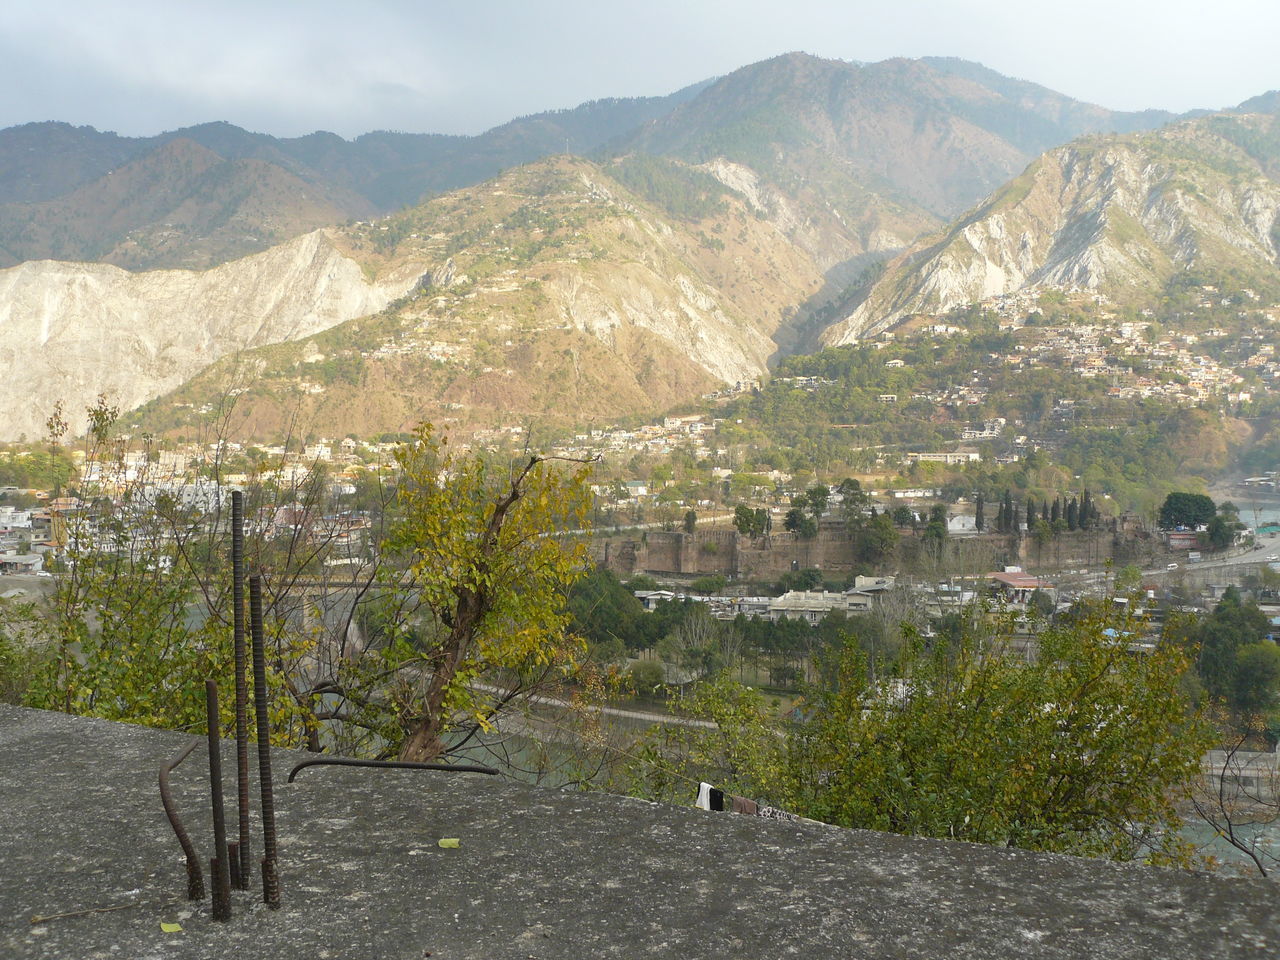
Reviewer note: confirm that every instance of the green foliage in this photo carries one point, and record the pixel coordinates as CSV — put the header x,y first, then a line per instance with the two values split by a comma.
x,y
602,609
22,635
742,755
1186,510
34,468
1065,754
646,677
681,191
751,523
876,539
807,579
799,522
1218,638
708,585
473,538
1257,677
1082,751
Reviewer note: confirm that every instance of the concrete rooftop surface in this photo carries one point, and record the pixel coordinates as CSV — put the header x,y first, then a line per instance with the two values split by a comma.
x,y
542,873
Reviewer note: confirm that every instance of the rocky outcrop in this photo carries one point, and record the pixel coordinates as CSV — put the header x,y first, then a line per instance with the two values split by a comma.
x,y
1114,214
72,331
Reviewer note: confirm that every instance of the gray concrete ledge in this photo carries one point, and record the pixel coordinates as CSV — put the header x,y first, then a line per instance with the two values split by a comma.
x,y
544,874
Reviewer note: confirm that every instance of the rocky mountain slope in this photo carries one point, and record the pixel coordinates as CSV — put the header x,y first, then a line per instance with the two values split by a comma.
x,y
558,294
72,331
1117,214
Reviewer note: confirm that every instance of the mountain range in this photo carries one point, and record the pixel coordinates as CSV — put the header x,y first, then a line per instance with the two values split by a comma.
x,y
695,236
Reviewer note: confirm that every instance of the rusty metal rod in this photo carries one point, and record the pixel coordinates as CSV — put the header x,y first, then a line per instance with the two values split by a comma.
x,y
393,764
242,869
270,874
220,868
195,876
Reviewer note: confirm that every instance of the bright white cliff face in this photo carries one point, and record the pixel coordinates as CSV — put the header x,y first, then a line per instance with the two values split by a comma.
x,y
72,331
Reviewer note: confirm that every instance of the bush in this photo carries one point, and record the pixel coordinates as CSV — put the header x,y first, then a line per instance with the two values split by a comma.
x,y
646,677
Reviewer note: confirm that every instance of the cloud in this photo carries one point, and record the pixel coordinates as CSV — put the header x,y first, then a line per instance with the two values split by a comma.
x,y
289,67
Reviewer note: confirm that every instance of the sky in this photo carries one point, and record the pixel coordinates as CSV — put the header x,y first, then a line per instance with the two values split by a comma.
x,y
289,67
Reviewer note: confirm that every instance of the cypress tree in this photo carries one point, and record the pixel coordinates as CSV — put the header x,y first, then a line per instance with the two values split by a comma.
x,y
1073,514
1031,513
1044,511
979,520
1056,513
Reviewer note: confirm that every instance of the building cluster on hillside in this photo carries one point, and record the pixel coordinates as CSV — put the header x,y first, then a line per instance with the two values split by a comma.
x,y
692,432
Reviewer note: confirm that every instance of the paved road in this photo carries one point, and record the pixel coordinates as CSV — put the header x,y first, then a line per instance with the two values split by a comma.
x,y
1257,554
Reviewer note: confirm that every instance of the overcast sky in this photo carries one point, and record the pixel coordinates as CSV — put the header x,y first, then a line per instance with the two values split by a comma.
x,y
287,68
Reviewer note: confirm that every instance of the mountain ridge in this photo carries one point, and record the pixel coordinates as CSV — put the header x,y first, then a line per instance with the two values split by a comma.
x,y
1115,214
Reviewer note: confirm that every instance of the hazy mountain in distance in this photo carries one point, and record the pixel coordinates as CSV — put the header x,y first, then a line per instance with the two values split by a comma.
x,y
181,205
860,158
61,198
937,133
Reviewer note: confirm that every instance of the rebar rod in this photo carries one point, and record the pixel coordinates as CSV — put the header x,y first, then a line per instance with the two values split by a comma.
x,y
195,876
392,764
242,688
219,866
270,875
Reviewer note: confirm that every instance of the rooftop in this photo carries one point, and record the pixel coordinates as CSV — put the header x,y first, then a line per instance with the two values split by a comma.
x,y
543,873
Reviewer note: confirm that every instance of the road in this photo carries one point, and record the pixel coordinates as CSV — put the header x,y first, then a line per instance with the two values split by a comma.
x,y
1241,556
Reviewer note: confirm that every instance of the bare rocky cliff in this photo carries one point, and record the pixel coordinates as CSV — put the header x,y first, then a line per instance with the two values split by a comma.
x,y
72,331
1117,214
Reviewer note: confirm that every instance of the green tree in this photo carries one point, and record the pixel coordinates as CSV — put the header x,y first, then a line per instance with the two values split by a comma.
x,y
489,579
708,585
1232,625
646,677
935,532
1128,579
800,523
1185,510
1257,677
690,521
876,540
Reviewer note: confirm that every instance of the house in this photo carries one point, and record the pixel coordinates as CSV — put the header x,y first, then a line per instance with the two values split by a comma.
x,y
814,605
21,563
950,458
1016,587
